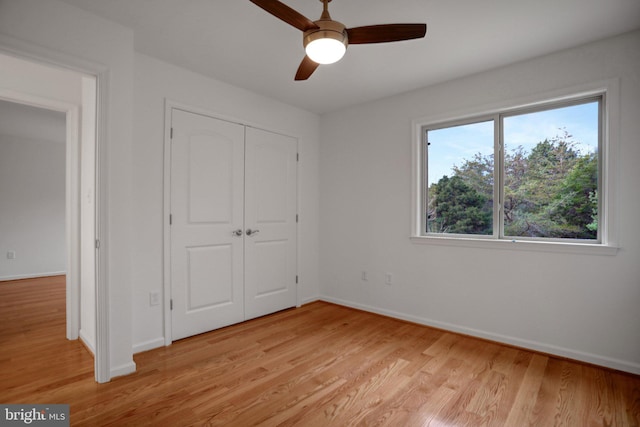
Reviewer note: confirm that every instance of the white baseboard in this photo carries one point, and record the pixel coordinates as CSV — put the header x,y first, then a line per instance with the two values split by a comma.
x,y
608,362
310,300
125,369
32,276
148,345
87,343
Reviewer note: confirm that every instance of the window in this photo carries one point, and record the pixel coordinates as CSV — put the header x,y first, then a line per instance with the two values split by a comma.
x,y
528,174
460,179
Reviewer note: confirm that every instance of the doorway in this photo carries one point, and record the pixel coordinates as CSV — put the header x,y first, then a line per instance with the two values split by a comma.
x,y
72,96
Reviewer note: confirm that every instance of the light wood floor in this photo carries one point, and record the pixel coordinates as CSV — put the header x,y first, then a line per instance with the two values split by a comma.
x,y
320,365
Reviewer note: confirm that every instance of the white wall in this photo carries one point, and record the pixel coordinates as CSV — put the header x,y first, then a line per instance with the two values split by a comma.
x,y
56,32
32,193
580,306
156,81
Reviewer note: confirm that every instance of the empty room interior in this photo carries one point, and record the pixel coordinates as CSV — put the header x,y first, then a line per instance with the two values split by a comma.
x,y
210,217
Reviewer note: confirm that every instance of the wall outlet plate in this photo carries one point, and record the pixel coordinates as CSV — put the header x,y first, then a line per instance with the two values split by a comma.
x,y
388,279
154,298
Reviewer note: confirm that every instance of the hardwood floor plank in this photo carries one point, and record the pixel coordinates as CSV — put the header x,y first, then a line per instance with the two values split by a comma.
x,y
433,412
353,404
519,413
317,365
628,399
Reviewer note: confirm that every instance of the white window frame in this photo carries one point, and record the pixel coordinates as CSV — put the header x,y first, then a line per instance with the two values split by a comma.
x,y
607,230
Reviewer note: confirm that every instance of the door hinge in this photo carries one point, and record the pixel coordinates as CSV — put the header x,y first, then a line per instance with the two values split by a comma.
x,y
171,304
170,219
296,280
97,244
171,133
296,217
297,157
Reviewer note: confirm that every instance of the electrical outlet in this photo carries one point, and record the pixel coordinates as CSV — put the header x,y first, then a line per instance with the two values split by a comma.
x,y
11,254
388,279
364,277
154,298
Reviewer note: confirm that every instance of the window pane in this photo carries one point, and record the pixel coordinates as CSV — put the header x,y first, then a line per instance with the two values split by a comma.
x,y
460,179
551,173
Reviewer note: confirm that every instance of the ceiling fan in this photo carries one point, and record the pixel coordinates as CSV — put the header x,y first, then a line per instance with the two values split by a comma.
x,y
325,40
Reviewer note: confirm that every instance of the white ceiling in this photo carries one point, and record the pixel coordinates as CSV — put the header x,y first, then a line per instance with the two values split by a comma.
x,y
239,43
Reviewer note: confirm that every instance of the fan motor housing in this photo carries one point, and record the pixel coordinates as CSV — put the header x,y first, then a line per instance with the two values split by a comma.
x,y
327,29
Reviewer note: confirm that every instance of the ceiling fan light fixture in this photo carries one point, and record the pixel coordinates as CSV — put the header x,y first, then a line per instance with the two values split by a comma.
x,y
325,41
325,50
326,45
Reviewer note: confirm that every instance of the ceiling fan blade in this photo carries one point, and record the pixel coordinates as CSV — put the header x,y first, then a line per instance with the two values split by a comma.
x,y
306,68
386,33
284,12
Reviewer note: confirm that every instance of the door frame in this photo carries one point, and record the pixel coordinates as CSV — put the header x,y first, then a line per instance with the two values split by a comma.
x,y
169,106
39,54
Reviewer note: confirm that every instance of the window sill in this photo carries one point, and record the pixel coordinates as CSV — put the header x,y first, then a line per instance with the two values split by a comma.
x,y
518,245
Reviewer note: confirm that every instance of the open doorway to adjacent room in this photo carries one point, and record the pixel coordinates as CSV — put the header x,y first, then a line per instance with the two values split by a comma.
x,y
48,218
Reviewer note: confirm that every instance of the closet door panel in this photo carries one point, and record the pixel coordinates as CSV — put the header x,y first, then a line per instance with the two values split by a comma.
x,y
270,222
207,207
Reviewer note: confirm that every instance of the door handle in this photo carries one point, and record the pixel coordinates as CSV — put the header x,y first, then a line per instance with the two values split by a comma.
x,y
251,232
237,232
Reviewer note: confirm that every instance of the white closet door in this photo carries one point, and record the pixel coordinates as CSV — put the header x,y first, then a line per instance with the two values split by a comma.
x,y
270,214
207,188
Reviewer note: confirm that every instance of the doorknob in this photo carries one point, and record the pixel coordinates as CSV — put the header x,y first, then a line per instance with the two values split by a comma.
x,y
237,232
251,232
